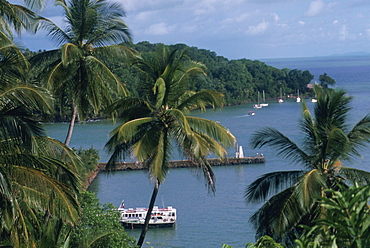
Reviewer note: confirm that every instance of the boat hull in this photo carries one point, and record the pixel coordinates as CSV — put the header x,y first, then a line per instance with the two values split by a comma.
x,y
151,225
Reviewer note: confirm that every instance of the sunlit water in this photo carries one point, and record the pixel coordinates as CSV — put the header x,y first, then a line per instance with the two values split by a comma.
x,y
204,219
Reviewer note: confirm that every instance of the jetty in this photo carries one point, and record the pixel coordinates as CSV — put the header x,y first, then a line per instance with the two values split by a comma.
x,y
129,166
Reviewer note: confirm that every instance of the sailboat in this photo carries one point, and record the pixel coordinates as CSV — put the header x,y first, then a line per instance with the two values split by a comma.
x,y
264,104
298,98
258,105
280,100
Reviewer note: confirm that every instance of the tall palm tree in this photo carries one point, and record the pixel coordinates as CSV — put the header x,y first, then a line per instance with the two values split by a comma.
x,y
327,140
37,173
77,75
155,122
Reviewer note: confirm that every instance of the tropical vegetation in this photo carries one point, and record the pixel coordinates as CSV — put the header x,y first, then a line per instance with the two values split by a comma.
x,y
238,80
76,73
38,175
344,223
327,143
98,226
153,124
41,201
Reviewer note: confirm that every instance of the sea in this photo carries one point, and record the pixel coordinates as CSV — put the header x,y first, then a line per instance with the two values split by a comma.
x,y
208,220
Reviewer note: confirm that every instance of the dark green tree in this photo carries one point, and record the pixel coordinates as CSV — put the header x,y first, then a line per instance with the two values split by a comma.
x,y
98,226
154,123
326,140
326,81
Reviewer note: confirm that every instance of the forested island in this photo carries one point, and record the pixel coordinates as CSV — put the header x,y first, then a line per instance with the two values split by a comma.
x,y
238,80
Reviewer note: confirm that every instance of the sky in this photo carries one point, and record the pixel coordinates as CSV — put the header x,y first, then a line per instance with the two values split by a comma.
x,y
235,29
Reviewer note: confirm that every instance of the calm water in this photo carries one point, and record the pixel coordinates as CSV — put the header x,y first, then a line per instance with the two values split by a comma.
x,y
207,220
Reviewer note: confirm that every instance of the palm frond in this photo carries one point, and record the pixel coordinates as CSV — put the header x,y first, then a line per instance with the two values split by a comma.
x,y
278,215
17,16
43,191
354,176
202,100
309,187
270,183
212,129
285,148
359,135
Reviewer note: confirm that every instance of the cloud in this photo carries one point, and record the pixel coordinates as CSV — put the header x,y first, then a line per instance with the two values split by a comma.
x,y
159,29
276,17
343,33
315,8
258,29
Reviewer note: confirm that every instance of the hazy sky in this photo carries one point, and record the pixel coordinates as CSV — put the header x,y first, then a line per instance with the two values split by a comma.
x,y
252,29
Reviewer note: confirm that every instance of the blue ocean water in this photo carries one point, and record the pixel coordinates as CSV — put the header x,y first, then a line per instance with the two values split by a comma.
x,y
207,220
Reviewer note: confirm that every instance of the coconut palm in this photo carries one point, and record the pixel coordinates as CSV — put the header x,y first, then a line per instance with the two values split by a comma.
x,y
77,75
153,124
327,141
37,173
17,17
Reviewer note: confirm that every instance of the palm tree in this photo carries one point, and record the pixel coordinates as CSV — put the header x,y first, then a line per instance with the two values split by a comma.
x,y
37,173
77,77
155,122
17,17
326,141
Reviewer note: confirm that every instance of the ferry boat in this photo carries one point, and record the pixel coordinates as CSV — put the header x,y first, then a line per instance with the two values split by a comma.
x,y
135,217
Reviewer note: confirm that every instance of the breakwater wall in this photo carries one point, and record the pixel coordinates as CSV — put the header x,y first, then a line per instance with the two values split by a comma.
x,y
128,166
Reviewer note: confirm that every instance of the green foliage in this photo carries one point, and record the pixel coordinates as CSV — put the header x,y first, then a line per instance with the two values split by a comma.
x,y
158,118
238,80
326,81
99,226
345,221
327,141
90,159
76,73
265,242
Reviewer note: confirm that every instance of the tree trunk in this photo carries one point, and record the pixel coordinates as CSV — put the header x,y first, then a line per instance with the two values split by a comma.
x,y
148,215
71,126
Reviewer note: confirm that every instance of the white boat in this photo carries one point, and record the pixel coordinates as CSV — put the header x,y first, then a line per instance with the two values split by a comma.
x,y
298,98
258,105
251,113
313,100
135,217
280,100
264,104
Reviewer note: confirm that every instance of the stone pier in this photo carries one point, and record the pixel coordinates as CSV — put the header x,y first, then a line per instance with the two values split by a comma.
x,y
128,166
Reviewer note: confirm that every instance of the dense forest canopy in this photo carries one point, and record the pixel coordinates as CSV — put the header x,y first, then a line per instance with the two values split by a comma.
x,y
239,80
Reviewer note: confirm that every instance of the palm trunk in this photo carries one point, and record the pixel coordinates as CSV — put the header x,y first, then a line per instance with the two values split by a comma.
x,y
71,126
148,215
